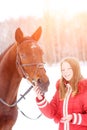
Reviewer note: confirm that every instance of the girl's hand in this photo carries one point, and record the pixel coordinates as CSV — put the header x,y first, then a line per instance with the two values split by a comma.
x,y
66,119
38,92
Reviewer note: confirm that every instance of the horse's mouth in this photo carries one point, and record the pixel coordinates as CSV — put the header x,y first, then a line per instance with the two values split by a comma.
x,y
43,85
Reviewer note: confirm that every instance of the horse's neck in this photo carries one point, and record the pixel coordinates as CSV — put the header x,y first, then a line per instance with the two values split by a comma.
x,y
9,77
3,53
8,61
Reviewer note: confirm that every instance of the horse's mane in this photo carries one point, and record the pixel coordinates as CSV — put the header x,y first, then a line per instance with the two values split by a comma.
x,y
3,53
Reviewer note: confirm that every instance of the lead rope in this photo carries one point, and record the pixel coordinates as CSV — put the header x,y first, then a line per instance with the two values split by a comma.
x,y
28,116
14,104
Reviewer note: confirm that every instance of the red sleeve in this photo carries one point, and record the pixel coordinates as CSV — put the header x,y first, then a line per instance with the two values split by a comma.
x,y
49,109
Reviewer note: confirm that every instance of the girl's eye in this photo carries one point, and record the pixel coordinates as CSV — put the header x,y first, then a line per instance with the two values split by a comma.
x,y
66,69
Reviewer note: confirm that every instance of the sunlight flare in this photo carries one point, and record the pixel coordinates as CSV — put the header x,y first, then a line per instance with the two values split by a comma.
x,y
37,8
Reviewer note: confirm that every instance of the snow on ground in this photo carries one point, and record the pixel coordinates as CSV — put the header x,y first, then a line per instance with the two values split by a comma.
x,y
29,107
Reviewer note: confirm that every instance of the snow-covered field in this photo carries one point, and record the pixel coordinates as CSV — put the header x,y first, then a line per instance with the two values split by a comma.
x,y
29,107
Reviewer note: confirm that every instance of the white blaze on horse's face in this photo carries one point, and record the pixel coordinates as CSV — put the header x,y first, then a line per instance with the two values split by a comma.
x,y
33,46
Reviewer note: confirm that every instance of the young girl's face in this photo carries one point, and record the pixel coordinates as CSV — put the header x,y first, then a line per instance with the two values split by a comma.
x,y
66,71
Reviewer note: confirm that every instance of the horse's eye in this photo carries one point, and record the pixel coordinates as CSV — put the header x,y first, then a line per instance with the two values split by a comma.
x,y
22,56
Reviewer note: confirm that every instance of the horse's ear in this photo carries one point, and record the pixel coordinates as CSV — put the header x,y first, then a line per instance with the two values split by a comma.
x,y
18,35
36,35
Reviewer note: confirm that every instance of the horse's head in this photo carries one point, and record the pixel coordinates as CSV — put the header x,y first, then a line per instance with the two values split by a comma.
x,y
30,58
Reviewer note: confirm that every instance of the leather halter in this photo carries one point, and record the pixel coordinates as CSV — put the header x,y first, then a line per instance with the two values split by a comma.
x,y
21,66
21,71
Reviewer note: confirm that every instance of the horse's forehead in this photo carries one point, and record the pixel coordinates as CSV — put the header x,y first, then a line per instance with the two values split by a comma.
x,y
27,46
33,46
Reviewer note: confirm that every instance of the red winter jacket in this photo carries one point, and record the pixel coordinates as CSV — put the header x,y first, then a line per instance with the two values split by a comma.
x,y
77,106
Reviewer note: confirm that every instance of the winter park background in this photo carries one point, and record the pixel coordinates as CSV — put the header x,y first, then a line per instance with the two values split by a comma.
x,y
64,33
29,107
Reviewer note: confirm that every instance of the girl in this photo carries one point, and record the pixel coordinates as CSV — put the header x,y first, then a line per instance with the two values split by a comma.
x,y
68,106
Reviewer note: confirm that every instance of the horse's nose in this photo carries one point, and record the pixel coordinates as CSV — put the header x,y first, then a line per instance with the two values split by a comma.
x,y
43,85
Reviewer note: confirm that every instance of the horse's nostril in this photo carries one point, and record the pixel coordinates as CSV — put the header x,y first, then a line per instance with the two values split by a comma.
x,y
39,81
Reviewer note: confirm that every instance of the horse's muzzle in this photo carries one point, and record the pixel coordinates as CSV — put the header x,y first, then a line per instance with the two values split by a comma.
x,y
43,85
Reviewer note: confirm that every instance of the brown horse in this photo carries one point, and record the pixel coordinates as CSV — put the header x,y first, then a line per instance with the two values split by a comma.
x,y
22,59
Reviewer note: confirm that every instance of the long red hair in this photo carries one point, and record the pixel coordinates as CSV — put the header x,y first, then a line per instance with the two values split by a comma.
x,y
77,76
